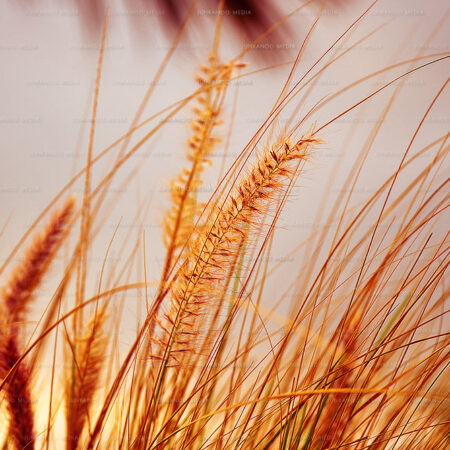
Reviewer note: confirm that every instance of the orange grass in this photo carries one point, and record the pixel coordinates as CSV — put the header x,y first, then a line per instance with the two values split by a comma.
x,y
348,348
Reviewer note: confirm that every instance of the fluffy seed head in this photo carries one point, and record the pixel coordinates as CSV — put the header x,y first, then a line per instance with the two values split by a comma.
x,y
203,270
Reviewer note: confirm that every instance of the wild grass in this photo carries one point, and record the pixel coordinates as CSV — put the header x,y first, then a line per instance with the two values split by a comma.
x,y
348,348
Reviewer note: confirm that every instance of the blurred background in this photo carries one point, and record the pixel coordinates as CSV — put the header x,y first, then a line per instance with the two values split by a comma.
x,y
49,53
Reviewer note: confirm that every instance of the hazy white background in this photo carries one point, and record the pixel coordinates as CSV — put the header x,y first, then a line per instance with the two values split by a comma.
x,y
48,65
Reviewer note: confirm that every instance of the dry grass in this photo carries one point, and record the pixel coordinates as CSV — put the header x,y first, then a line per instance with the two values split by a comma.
x,y
357,360
16,298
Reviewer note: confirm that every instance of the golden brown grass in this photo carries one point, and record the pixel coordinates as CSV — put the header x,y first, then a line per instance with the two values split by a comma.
x,y
17,296
85,379
179,222
205,268
346,348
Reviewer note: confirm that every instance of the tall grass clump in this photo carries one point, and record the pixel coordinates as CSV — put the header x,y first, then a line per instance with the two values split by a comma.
x,y
248,333
17,295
